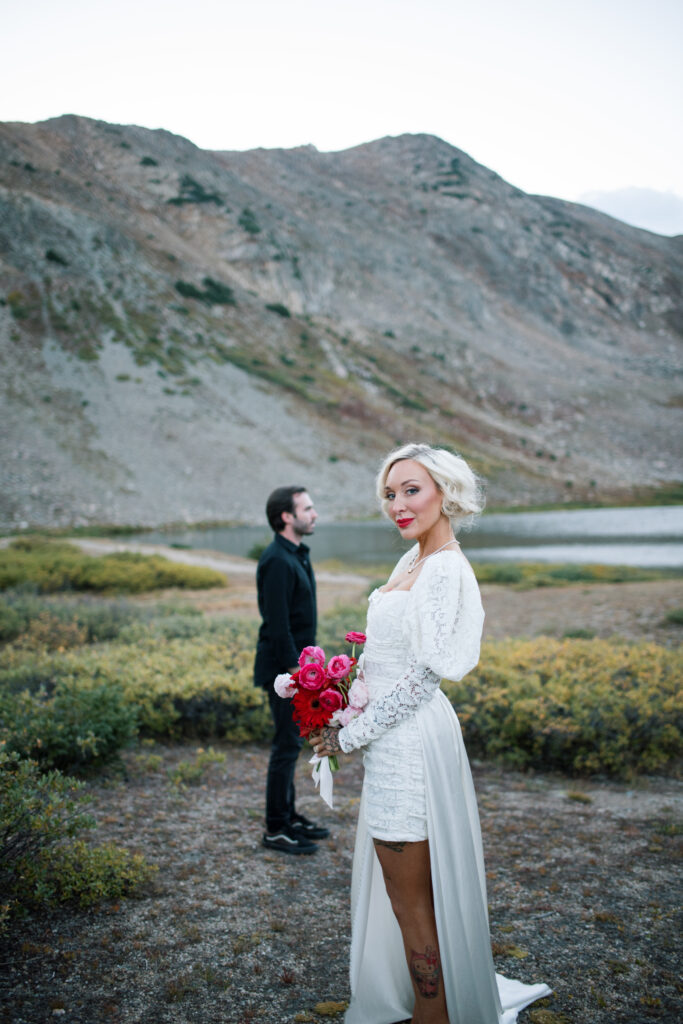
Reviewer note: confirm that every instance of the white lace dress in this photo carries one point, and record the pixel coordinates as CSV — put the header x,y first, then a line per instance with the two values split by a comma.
x,y
418,786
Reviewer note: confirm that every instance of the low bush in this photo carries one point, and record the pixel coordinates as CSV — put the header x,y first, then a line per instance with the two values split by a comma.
x,y
215,293
66,725
83,875
37,810
576,706
548,574
12,622
42,860
35,621
257,549
52,567
191,191
247,221
201,686
51,632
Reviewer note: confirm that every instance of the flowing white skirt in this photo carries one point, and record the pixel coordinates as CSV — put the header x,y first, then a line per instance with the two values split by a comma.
x,y
381,989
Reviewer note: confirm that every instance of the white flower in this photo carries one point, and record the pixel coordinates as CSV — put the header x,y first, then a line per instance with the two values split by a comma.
x,y
283,685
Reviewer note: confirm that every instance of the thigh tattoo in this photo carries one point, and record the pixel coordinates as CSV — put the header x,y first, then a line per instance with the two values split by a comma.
x,y
395,847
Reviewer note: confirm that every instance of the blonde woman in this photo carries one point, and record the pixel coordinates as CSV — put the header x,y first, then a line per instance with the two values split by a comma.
x,y
420,939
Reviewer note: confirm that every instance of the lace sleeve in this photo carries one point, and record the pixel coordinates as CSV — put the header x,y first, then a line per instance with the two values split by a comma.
x,y
415,687
444,626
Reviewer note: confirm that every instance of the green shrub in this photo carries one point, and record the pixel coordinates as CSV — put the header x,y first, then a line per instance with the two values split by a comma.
x,y
37,810
196,687
41,860
12,622
53,566
257,549
577,706
214,294
247,221
218,294
51,632
86,617
67,726
498,572
83,875
54,257
675,616
547,574
277,307
192,192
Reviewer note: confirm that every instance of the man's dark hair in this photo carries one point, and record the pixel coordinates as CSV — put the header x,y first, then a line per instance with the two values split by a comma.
x,y
281,500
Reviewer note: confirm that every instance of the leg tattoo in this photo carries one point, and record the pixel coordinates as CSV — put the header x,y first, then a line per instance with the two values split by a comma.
x,y
396,847
426,971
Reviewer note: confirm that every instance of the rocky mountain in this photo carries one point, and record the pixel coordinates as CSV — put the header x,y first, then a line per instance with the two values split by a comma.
x,y
181,330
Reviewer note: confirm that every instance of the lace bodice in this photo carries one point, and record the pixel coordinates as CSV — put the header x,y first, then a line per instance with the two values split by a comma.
x,y
416,638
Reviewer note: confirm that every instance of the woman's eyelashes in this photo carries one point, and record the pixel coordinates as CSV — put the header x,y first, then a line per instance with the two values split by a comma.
x,y
391,496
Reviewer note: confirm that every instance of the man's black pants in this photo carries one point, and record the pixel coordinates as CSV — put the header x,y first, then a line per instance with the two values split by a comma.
x,y
284,753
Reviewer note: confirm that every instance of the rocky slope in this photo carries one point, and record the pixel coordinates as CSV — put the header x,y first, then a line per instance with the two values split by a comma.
x,y
181,330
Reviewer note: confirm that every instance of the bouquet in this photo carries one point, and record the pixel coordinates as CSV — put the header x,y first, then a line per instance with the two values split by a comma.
x,y
324,694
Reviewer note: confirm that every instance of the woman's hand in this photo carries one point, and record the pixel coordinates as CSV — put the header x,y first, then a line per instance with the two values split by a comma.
x,y
325,742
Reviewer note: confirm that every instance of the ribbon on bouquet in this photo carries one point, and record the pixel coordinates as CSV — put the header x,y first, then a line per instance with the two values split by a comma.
x,y
322,773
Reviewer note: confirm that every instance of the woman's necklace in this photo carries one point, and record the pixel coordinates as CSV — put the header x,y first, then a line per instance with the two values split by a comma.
x,y
414,566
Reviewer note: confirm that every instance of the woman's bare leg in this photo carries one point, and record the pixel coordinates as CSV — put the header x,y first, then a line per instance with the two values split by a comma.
x,y
407,876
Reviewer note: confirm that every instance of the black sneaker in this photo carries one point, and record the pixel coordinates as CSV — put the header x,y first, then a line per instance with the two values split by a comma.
x,y
303,827
286,840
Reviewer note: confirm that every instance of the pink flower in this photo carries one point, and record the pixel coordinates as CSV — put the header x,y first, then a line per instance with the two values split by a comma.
x,y
344,716
284,685
358,693
312,676
355,638
331,700
312,654
339,666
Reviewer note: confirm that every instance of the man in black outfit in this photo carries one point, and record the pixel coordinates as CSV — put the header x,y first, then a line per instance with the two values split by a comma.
x,y
286,598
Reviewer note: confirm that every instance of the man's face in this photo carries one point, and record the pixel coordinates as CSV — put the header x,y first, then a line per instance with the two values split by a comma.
x,y
305,515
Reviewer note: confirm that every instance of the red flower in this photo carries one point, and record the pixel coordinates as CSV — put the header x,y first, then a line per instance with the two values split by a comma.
x,y
355,638
331,700
312,676
308,712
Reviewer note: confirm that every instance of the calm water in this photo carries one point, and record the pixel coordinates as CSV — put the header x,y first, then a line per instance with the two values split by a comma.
x,y
648,537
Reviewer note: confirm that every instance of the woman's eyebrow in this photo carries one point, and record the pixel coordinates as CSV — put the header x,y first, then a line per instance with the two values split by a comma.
x,y
403,483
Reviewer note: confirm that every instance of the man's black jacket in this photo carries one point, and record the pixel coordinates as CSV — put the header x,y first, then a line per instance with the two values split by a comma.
x,y
286,598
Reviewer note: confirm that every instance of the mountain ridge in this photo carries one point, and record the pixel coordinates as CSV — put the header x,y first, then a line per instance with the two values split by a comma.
x,y
289,312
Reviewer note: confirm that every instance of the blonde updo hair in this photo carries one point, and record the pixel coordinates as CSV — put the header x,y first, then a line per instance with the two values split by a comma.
x,y
463,496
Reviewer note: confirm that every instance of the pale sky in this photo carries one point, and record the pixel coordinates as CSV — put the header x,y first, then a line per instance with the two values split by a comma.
x,y
566,99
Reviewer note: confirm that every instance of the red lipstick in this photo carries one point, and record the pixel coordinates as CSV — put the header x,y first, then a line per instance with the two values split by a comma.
x,y
403,522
